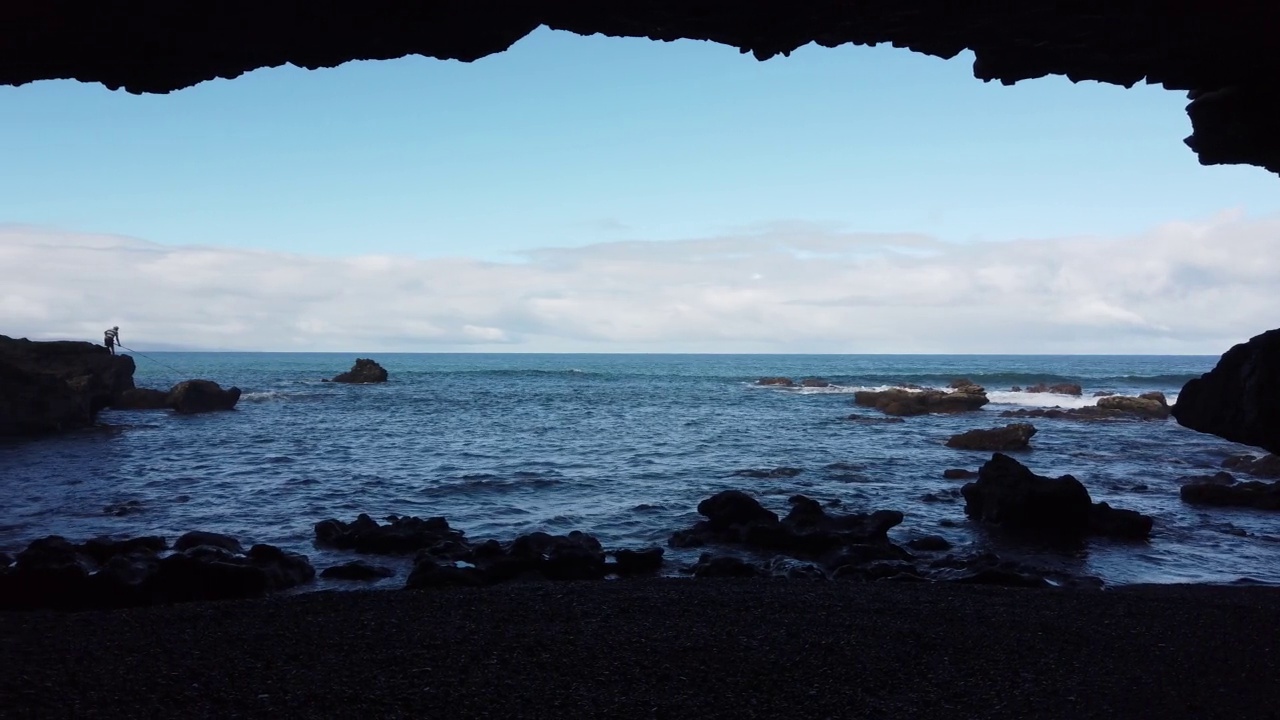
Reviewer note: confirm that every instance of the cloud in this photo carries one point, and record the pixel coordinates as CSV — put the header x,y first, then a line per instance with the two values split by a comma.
x,y
1185,287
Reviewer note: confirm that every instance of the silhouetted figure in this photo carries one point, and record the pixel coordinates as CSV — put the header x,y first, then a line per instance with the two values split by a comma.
x,y
111,338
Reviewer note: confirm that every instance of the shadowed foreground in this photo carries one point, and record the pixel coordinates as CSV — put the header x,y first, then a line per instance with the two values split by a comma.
x,y
662,648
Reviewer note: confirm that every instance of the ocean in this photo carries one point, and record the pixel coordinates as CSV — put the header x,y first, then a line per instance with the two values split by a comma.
x,y
619,446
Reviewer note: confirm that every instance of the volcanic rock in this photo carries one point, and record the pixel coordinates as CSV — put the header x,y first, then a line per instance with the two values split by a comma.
x,y
1267,466
102,573
1239,399
400,536
929,543
807,532
1010,495
1225,492
1148,406
141,399
200,396
897,401
197,538
1057,389
364,371
638,562
1010,437
48,387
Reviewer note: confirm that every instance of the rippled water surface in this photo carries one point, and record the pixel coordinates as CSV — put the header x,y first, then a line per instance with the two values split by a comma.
x,y
622,446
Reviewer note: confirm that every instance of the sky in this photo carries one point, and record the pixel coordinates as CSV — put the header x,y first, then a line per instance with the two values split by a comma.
x,y
622,195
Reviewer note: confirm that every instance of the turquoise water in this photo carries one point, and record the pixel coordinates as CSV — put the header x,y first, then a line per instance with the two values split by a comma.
x,y
621,446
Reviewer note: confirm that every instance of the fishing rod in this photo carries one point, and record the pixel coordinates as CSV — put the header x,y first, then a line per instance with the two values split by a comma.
x,y
135,352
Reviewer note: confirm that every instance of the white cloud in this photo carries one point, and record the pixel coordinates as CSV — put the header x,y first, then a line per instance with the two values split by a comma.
x,y
1186,287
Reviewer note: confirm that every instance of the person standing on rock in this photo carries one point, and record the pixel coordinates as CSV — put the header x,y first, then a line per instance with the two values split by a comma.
x,y
111,338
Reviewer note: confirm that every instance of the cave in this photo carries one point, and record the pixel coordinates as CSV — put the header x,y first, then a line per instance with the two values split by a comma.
x,y
1221,54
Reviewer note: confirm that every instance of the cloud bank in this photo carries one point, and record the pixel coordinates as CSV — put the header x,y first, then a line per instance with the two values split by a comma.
x,y
1187,287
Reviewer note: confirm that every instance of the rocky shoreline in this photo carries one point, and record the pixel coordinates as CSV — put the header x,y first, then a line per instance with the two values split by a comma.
x,y
737,537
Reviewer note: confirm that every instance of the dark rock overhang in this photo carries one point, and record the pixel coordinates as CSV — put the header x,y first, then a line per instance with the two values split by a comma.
x,y
1222,53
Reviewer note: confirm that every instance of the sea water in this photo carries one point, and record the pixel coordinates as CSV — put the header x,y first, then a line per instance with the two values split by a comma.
x,y
619,446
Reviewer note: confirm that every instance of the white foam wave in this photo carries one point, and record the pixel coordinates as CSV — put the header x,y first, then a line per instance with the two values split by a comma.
x,y
264,396
1026,399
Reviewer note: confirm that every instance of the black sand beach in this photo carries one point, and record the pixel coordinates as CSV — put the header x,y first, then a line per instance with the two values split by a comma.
x,y
661,649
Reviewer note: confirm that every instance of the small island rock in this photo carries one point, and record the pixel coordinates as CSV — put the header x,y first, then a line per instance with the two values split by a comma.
x,y
364,371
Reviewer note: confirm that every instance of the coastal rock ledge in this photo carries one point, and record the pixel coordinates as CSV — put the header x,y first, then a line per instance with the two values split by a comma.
x,y
48,387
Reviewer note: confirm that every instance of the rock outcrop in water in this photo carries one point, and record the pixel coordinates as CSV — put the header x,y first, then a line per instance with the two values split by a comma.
x,y
1223,490
1056,389
1010,495
55,573
1267,466
1239,399
903,402
1148,406
1016,436
187,397
50,387
363,372
201,396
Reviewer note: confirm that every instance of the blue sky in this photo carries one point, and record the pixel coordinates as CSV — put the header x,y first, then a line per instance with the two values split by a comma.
x,y
839,200
566,140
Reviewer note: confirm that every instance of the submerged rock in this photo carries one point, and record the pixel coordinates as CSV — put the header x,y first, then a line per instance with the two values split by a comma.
x,y
1010,495
1267,466
1056,389
813,382
364,371
1223,491
358,571
1016,436
778,381
855,417
958,474
1239,399
768,473
719,566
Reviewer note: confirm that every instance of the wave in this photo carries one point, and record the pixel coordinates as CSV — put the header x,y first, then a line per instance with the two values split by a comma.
x,y
993,382
264,396
510,373
1026,399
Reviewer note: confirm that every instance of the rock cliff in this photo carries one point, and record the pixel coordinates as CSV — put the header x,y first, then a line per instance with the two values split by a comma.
x,y
54,386
1240,398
